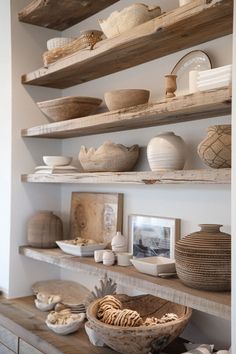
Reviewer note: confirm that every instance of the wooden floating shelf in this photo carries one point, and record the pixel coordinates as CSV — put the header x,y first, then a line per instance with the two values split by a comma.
x,y
204,176
213,303
184,27
199,105
62,14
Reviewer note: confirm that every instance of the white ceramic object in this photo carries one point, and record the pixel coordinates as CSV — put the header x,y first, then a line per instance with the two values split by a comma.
x,y
184,2
58,42
78,250
207,74
123,259
65,329
45,302
154,265
98,255
195,60
166,151
93,337
57,160
119,243
108,258
193,76
131,16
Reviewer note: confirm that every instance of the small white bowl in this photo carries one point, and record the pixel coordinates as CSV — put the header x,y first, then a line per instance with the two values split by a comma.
x,y
57,160
123,259
69,328
154,265
58,42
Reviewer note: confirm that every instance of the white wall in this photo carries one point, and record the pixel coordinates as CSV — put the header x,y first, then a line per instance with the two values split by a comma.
x,y
192,204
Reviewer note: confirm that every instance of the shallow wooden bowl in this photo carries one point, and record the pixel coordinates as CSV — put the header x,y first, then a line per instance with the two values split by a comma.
x,y
143,339
69,107
119,99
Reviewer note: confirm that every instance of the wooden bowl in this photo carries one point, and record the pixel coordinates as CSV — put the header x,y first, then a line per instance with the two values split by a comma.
x,y
143,339
109,157
69,107
119,99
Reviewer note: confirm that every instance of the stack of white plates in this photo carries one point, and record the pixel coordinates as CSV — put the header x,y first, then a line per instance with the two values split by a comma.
x,y
214,78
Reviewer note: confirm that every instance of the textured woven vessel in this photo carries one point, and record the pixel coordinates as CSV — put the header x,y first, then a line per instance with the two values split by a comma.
x,y
143,339
215,150
203,259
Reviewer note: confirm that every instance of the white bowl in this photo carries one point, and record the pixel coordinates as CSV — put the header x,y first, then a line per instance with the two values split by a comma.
x,y
57,160
58,42
42,306
154,265
78,250
68,328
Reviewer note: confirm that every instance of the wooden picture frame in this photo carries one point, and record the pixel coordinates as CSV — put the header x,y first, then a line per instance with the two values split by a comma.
x,y
96,216
153,235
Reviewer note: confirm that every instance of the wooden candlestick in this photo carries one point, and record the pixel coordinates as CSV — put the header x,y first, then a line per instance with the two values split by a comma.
x,y
170,83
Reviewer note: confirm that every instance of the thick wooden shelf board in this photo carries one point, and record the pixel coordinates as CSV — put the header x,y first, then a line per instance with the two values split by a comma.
x,y
186,26
199,105
204,176
213,303
61,14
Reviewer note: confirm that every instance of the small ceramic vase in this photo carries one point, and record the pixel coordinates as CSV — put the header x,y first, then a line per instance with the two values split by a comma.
x,y
44,229
170,84
119,243
203,259
166,151
215,149
108,258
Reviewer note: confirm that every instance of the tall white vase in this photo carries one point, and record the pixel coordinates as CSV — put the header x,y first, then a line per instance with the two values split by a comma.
x,y
166,151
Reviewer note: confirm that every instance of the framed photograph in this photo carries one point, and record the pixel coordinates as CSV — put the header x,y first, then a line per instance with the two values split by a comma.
x,y
96,216
153,235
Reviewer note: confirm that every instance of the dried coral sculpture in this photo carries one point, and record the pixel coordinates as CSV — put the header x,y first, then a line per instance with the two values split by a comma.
x,y
107,287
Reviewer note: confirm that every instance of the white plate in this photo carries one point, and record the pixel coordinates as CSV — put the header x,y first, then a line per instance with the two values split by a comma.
x,y
77,250
154,265
195,60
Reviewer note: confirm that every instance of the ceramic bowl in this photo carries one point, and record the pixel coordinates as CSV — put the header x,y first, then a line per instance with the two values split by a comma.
x,y
119,99
58,42
69,107
68,328
154,265
57,160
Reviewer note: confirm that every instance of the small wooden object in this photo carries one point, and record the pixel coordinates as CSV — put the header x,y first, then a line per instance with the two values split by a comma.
x,y
171,86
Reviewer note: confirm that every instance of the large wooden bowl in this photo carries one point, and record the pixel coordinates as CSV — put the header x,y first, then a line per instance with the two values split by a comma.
x,y
69,107
125,98
143,339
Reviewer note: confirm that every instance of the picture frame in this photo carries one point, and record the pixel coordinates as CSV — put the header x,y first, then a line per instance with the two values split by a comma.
x,y
96,216
153,236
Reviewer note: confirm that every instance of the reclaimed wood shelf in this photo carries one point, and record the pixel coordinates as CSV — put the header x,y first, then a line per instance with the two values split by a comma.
x,y
213,303
204,176
60,15
186,26
185,108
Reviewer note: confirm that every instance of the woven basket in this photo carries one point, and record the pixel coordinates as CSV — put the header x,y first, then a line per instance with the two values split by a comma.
x,y
143,339
203,259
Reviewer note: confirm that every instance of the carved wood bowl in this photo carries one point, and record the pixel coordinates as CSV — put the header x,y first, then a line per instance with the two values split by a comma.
x,y
142,339
69,107
125,98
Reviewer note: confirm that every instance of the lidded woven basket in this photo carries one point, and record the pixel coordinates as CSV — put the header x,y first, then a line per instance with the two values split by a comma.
x,y
203,259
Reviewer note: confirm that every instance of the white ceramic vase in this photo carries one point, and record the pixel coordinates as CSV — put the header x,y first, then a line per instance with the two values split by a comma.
x,y
119,243
108,258
166,151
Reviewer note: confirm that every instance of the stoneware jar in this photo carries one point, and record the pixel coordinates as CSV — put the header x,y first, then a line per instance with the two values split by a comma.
x,y
119,243
44,228
108,258
166,151
215,149
203,259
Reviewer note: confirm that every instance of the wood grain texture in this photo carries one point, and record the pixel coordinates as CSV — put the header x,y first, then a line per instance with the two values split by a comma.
x,y
25,348
200,105
9,339
204,176
5,350
213,303
186,26
62,14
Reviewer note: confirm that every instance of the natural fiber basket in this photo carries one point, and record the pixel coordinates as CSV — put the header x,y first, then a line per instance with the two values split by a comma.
x,y
143,339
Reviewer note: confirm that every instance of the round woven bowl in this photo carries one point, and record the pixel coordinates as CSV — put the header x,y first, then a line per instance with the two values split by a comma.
x,y
143,339
203,259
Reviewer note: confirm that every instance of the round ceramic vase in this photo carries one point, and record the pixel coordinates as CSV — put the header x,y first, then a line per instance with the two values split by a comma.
x,y
119,243
215,149
166,151
44,229
203,259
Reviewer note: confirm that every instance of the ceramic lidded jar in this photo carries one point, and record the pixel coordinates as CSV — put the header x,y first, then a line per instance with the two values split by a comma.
x,y
215,149
166,151
44,228
119,243
203,259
